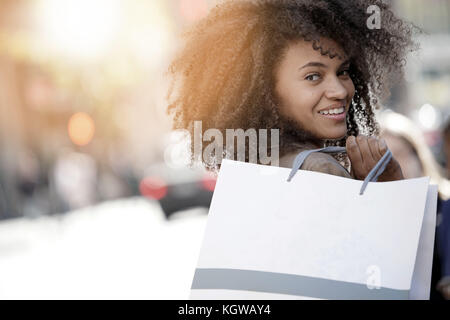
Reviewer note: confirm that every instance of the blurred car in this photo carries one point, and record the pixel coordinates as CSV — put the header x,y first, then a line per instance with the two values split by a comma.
x,y
178,189
172,181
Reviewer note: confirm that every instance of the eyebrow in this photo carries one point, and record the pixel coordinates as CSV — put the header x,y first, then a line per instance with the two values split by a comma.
x,y
319,64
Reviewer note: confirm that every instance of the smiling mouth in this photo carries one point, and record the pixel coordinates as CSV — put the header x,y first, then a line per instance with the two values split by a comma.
x,y
335,111
337,114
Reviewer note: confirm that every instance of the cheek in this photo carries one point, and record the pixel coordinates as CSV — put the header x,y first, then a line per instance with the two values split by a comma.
x,y
350,88
312,99
306,100
296,100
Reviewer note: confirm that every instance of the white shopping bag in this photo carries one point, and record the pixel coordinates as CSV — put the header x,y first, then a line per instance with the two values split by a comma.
x,y
315,237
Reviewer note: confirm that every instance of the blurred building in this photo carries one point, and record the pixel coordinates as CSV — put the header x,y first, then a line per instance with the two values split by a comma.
x,y
423,95
432,15
82,94
81,86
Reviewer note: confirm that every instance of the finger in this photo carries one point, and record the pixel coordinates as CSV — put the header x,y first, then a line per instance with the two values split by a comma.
x,y
353,150
352,172
368,160
374,148
355,156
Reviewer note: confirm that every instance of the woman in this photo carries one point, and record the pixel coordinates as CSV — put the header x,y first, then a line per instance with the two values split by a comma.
x,y
314,69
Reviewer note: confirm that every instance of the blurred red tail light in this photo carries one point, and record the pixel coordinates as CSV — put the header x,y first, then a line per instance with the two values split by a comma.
x,y
153,187
209,182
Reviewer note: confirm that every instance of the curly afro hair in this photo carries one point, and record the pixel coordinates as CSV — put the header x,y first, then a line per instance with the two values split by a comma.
x,y
223,76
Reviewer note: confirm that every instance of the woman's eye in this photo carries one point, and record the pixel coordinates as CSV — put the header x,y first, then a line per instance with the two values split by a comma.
x,y
345,72
313,77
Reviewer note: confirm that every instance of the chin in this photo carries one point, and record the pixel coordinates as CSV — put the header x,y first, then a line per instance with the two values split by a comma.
x,y
336,136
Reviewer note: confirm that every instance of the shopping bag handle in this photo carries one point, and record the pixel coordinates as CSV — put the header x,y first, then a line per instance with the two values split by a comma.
x,y
373,175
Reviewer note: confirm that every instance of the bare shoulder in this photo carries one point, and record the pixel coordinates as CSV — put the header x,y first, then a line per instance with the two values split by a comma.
x,y
325,163
316,161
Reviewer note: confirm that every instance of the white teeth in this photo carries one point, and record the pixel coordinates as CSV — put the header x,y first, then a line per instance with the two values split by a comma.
x,y
333,111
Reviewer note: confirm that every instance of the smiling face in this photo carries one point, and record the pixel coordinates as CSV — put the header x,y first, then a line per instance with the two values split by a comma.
x,y
309,85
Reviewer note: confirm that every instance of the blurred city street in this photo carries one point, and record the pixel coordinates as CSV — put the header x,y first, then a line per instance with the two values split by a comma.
x,y
97,198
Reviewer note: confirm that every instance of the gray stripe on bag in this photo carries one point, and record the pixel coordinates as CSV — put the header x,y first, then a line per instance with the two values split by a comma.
x,y
283,283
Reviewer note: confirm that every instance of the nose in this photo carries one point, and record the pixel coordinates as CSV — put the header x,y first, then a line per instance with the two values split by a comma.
x,y
335,89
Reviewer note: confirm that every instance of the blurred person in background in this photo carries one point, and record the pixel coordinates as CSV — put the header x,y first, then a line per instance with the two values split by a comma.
x,y
444,231
408,145
446,145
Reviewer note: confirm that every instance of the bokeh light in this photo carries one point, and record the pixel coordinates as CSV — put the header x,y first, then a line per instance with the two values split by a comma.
x,y
209,181
81,128
428,116
177,151
153,188
83,28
